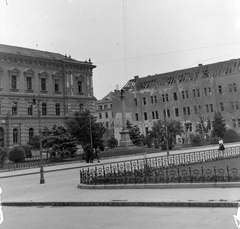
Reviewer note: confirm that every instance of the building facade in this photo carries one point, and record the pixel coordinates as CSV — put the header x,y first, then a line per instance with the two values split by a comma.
x,y
189,95
104,114
41,84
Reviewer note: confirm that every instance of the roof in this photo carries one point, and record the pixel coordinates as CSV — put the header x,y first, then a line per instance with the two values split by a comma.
x,y
30,52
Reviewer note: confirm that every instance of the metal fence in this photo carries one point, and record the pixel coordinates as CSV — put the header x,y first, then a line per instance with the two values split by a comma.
x,y
164,169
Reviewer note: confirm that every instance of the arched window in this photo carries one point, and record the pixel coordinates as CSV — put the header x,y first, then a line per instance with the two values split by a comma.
x,y
15,135
31,133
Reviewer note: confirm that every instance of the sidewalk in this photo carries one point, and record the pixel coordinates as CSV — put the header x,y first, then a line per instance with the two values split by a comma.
x,y
61,189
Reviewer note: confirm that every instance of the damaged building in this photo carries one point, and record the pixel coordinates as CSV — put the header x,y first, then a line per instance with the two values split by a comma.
x,y
190,95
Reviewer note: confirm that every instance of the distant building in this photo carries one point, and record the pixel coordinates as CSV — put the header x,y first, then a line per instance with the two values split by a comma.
x,y
59,84
104,114
189,95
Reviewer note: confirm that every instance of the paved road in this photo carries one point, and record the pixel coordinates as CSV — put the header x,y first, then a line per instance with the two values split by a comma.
x,y
117,218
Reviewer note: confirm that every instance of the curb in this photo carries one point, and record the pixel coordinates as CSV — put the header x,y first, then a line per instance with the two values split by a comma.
x,y
124,204
162,186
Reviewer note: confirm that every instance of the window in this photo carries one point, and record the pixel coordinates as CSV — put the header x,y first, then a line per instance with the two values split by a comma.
x,y
15,135
145,115
183,95
151,99
30,133
81,107
232,105
155,98
156,114
194,93
195,110
188,127
188,111
107,124
237,105
14,82
100,107
205,91
79,87
238,122
136,103
153,115
186,93
164,113
176,112
29,83
166,95
146,130
100,115
43,84
199,108
56,85
220,89
105,107
207,108
44,109
209,91
106,114
211,107
110,106
30,109
136,116
14,108
175,96
168,113
57,108
163,98
144,101
184,111
221,106
198,92
232,87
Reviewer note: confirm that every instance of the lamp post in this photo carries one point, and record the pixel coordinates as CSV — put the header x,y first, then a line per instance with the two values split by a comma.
x,y
42,180
90,124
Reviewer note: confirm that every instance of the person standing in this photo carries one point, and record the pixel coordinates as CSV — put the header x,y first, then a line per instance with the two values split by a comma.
x,y
98,151
221,146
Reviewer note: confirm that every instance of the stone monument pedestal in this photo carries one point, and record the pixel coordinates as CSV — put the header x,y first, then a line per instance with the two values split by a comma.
x,y
125,140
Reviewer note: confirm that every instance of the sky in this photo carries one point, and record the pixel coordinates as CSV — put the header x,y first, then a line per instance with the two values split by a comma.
x,y
126,38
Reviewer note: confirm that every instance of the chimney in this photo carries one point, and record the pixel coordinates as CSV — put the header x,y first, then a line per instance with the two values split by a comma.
x,y
117,86
136,77
200,65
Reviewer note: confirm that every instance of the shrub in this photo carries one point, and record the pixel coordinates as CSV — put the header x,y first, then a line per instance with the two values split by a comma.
x,y
3,155
17,154
28,151
196,139
231,136
112,143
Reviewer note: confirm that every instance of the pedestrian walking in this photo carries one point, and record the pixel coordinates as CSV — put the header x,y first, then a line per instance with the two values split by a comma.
x,y
221,146
87,154
97,153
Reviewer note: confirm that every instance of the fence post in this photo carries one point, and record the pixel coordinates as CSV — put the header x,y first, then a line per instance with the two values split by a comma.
x,y
95,174
190,174
179,179
202,174
228,174
215,173
167,175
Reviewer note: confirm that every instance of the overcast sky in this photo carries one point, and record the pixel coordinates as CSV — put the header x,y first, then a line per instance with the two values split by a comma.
x,y
125,38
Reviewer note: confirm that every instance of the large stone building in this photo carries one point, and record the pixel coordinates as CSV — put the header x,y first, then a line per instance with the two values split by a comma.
x,y
189,95
104,114
30,79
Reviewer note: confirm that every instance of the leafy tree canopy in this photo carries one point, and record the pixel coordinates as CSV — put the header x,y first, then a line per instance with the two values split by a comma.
x,y
163,134
80,125
135,134
219,126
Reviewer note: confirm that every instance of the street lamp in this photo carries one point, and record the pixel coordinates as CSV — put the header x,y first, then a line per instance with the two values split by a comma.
x,y
42,180
90,124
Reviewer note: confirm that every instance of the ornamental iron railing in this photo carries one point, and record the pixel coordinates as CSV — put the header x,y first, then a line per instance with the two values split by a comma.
x,y
164,169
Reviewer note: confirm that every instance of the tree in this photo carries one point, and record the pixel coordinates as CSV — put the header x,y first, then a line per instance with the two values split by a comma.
x,y
82,125
3,155
34,142
17,154
219,126
158,132
231,136
112,143
60,141
135,134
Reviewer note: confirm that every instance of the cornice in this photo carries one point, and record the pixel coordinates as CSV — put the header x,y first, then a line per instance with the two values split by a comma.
x,y
68,64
